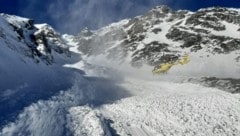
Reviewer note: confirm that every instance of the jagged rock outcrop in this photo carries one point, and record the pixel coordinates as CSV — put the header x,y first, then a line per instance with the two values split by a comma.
x,y
227,84
35,41
147,38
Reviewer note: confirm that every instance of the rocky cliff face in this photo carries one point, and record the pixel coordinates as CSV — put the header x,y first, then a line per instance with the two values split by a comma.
x,y
28,39
211,37
163,35
31,59
227,84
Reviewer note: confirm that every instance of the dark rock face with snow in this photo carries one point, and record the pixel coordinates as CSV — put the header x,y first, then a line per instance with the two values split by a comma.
x,y
226,84
162,34
159,36
39,40
32,58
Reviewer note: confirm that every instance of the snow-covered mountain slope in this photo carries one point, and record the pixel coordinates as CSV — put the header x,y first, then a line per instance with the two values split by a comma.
x,y
29,51
31,64
43,91
163,34
210,37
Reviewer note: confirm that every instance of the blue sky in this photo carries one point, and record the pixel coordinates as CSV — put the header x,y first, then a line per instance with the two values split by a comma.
x,y
70,16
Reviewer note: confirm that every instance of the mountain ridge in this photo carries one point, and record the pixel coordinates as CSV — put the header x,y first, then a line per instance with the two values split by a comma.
x,y
100,82
183,28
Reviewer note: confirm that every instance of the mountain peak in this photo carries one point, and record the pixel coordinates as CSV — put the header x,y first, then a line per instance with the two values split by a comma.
x,y
162,34
162,8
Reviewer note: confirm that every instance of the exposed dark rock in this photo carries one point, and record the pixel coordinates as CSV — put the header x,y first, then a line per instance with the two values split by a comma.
x,y
198,30
178,23
2,34
165,9
159,21
192,40
45,52
19,31
227,84
225,44
131,22
230,44
209,21
151,49
195,34
156,30
30,24
177,15
136,28
189,39
196,48
168,58
228,17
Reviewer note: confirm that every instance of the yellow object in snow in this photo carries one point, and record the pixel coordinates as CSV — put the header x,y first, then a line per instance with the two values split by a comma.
x,y
163,68
184,60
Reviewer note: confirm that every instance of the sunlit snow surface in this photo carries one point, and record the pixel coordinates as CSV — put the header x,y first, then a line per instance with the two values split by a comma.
x,y
163,108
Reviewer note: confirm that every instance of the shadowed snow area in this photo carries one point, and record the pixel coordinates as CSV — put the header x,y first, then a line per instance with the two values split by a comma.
x,y
49,113
50,117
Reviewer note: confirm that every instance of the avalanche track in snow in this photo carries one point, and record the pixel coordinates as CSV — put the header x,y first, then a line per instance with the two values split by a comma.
x,y
131,107
165,108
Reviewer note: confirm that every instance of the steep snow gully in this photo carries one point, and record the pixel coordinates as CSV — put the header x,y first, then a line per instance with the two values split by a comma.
x,y
129,105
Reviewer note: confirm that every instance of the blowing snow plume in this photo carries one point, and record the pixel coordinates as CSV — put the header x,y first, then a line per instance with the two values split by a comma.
x,y
91,13
73,15
96,13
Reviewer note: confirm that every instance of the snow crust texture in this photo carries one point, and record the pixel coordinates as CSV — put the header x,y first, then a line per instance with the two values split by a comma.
x,y
175,109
